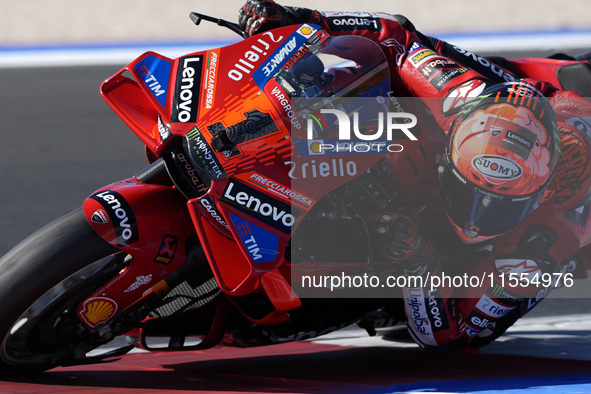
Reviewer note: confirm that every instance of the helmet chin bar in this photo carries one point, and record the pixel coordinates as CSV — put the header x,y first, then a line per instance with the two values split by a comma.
x,y
471,232
472,235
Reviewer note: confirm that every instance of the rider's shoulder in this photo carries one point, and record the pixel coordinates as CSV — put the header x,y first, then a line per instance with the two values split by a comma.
x,y
572,181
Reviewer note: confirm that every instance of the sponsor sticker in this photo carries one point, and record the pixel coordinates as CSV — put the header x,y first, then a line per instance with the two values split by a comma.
x,y
518,267
268,210
167,249
317,168
97,310
416,312
436,311
285,103
281,55
191,174
281,190
140,281
478,322
459,96
100,216
306,31
251,58
155,74
202,154
163,130
351,23
503,74
186,92
492,308
213,212
260,244
438,70
511,136
443,77
497,167
499,292
422,56
210,79
341,14
120,213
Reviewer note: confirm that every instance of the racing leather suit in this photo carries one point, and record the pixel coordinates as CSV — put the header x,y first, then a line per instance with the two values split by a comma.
x,y
550,241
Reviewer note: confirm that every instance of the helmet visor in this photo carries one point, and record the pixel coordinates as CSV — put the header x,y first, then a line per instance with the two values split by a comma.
x,y
481,213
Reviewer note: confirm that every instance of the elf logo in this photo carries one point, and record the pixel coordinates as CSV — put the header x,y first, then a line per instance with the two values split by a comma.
x,y
497,167
480,322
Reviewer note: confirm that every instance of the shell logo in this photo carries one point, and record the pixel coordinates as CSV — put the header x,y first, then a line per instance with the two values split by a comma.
x,y
315,147
306,31
97,310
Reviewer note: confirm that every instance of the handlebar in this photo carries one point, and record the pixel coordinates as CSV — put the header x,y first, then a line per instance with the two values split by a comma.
x,y
196,18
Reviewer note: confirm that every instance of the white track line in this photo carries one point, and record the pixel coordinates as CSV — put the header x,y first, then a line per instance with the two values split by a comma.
x,y
123,54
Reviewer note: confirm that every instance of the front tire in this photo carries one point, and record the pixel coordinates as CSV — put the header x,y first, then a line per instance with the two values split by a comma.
x,y
42,280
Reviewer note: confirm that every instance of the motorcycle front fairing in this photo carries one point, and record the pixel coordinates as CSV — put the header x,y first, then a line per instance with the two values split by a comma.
x,y
150,224
158,98
220,121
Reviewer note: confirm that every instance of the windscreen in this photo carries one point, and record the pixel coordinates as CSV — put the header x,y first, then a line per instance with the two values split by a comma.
x,y
328,66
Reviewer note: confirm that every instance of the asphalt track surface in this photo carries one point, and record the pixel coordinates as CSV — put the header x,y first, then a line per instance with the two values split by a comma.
x,y
60,142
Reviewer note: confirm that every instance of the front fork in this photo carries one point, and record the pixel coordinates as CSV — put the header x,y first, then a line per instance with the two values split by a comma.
x,y
146,218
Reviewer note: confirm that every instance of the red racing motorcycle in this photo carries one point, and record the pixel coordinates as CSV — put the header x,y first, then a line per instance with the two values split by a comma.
x,y
198,247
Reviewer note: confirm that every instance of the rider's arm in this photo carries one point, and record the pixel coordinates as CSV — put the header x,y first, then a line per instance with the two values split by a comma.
x,y
527,263
420,66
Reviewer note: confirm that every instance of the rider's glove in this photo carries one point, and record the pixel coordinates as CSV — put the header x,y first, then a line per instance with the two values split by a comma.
x,y
257,16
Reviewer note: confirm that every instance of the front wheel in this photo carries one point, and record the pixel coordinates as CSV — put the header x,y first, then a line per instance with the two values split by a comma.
x,y
42,280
